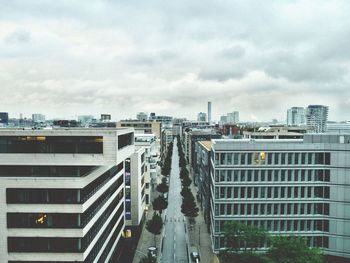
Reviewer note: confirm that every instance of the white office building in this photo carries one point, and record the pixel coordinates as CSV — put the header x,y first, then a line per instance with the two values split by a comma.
x,y
62,194
38,118
296,116
233,117
288,187
202,116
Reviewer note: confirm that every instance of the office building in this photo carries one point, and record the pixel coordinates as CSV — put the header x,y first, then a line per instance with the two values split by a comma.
x,y
86,119
316,117
142,116
233,117
146,127
209,112
62,194
202,116
37,118
135,197
338,127
106,117
296,116
288,187
4,118
152,155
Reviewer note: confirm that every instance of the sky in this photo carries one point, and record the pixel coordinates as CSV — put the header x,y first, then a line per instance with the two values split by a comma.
x,y
67,58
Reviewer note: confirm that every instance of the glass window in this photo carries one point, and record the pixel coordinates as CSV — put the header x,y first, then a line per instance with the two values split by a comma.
x,y
277,157
235,158
243,157
283,158
229,158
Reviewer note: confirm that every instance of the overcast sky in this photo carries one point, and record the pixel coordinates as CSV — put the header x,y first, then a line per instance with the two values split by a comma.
x,y
67,58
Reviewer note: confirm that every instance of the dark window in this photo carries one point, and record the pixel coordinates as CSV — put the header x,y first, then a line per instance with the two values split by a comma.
x,y
125,140
51,144
327,158
45,171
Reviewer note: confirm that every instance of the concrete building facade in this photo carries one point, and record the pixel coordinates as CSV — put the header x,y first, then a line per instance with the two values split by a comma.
x,y
288,187
62,194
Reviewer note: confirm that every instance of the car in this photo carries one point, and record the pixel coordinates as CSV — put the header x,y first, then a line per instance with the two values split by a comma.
x,y
194,254
152,251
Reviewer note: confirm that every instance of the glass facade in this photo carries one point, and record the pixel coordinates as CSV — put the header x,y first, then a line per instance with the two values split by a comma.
x,y
51,144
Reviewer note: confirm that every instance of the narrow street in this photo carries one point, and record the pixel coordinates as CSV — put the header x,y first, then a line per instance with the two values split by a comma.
x,y
174,243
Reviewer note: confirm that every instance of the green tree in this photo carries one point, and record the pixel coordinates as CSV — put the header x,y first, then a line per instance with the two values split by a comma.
x,y
189,207
293,249
154,225
162,188
183,173
186,181
159,204
186,192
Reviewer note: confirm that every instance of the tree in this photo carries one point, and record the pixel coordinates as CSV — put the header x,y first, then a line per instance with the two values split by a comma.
x,y
183,173
293,249
241,236
189,207
148,259
162,188
186,192
186,181
154,225
159,204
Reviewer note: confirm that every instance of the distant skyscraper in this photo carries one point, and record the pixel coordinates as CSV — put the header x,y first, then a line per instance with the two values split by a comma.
x,y
316,117
296,116
209,111
233,117
202,116
36,117
142,116
4,117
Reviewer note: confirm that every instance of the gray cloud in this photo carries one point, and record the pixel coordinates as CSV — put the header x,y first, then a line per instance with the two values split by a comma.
x,y
172,57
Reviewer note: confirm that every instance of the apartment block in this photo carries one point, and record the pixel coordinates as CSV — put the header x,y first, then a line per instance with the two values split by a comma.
x,y
147,127
62,194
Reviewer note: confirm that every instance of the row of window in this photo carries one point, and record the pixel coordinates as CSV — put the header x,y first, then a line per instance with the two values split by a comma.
x,y
273,158
284,209
51,144
276,175
282,225
45,171
262,192
311,241
60,196
54,220
59,244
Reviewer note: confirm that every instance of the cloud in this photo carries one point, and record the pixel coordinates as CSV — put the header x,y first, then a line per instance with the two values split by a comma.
x,y
172,57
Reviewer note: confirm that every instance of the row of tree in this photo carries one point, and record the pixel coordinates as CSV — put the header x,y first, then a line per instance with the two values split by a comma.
x,y
189,207
243,242
166,167
155,224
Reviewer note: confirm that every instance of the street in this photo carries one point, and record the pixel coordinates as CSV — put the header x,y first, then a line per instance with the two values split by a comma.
x,y
174,243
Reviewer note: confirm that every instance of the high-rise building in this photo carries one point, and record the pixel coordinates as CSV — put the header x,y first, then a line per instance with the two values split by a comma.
x,y
4,118
209,112
202,116
296,116
288,187
37,117
316,117
142,116
62,194
233,117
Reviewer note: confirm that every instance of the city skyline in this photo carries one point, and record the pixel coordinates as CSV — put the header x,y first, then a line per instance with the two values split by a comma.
x,y
171,58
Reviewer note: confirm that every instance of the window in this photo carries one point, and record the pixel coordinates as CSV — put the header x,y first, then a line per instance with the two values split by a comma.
x,y
243,155
125,140
283,158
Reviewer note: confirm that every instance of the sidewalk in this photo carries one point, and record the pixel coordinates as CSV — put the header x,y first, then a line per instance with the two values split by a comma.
x,y
147,239
199,236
